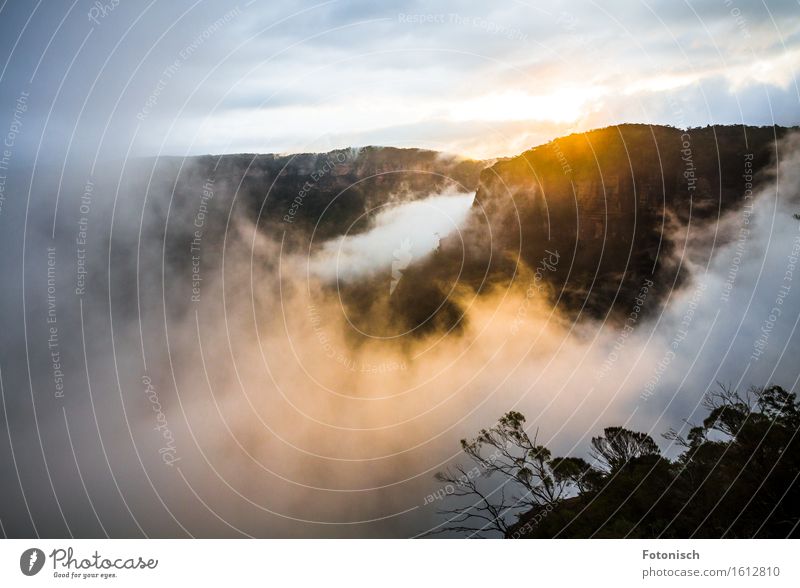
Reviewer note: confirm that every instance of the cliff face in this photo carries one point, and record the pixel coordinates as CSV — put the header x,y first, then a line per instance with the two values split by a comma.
x,y
618,204
328,192
199,206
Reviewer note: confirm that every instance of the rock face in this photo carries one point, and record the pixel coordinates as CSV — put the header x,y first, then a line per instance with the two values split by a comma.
x,y
619,204
328,192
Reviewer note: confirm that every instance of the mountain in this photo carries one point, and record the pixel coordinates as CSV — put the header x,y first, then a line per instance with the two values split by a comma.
x,y
324,192
620,206
603,212
195,211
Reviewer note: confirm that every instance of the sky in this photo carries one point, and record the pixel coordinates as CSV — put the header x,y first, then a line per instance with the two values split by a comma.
x,y
479,79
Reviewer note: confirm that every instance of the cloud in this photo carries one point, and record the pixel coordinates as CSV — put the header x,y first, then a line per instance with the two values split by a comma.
x,y
416,227
276,78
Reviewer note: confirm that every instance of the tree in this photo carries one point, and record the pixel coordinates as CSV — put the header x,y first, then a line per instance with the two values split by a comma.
x,y
618,446
529,478
738,476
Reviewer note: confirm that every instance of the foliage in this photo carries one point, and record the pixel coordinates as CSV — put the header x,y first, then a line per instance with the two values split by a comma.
x,y
736,476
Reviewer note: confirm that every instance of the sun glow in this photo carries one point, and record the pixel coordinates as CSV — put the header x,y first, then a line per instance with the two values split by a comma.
x,y
562,106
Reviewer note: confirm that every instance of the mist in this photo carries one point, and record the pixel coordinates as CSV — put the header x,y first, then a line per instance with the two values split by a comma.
x,y
399,233
215,384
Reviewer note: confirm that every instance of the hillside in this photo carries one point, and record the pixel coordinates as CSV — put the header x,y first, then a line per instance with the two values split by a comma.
x,y
620,205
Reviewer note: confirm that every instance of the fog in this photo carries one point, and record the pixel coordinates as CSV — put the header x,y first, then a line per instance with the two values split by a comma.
x,y
245,404
399,233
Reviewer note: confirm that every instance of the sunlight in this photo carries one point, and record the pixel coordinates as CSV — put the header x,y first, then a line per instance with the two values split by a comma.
x,y
563,106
